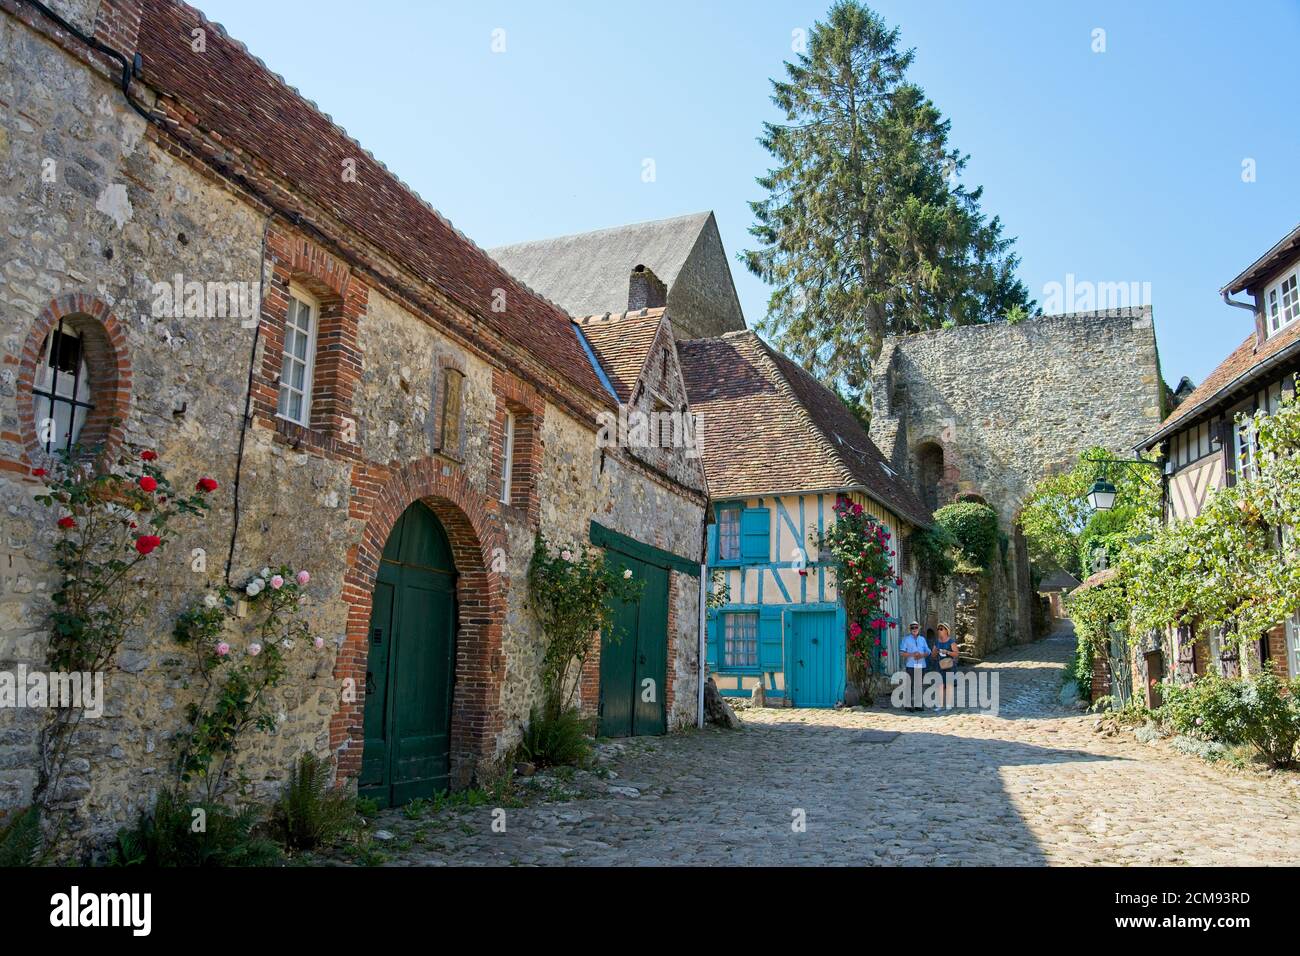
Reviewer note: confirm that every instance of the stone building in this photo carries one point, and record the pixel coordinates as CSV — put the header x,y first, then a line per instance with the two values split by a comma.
x,y
678,263
371,369
986,411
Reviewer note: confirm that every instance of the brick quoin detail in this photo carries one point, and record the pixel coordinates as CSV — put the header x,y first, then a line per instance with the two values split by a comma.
x,y
526,404
107,360
380,496
343,299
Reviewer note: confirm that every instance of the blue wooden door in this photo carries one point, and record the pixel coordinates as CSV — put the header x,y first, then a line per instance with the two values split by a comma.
x,y
816,665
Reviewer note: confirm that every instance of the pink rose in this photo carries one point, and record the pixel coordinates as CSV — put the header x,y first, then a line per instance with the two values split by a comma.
x,y
319,642
303,577
277,581
223,649
254,649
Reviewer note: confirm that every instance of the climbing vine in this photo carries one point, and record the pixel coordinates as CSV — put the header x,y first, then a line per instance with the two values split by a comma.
x,y
862,553
111,525
241,641
574,593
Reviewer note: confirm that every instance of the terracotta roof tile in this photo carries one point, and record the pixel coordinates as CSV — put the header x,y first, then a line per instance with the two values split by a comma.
x,y
768,426
255,112
1243,359
622,341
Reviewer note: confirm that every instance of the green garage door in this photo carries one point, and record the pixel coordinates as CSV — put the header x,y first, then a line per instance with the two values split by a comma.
x,y
634,655
410,668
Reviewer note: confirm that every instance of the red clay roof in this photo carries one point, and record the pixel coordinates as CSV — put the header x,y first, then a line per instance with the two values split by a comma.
x,y
255,112
768,426
1243,359
621,342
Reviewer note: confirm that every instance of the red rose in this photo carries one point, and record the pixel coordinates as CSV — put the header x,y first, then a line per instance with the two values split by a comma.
x,y
147,542
206,484
38,472
149,455
147,482
67,521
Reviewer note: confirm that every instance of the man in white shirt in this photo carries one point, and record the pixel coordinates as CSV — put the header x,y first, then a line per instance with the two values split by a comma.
x,y
915,650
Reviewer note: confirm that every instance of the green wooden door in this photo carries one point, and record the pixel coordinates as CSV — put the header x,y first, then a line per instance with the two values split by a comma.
x,y
634,655
410,669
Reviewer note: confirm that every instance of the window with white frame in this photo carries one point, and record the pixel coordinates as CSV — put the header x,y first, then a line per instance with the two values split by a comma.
x,y
298,362
1293,644
61,388
507,456
740,639
1282,303
729,534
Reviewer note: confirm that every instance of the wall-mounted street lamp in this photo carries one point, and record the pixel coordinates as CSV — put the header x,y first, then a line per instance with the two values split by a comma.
x,y
1103,493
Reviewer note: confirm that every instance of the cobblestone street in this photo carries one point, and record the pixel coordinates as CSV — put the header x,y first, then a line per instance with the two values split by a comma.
x,y
1034,785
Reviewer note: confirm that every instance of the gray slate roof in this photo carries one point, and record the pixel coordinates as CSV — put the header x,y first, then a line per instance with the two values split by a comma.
x,y
587,273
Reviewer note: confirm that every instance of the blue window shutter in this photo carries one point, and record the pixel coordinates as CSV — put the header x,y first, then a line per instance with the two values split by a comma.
x,y
713,638
712,544
770,656
755,527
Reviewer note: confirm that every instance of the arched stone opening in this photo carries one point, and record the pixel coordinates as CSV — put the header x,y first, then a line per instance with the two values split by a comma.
x,y
469,520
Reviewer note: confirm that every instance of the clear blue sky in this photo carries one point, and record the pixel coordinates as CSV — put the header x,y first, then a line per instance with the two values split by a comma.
x,y
1122,166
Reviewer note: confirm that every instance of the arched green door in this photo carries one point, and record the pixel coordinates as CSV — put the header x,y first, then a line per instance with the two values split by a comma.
x,y
411,665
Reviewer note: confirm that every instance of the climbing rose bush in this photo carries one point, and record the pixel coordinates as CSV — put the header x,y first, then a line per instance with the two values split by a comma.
x,y
863,554
574,592
242,639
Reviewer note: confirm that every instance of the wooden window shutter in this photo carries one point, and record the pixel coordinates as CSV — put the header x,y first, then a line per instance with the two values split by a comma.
x,y
755,527
452,380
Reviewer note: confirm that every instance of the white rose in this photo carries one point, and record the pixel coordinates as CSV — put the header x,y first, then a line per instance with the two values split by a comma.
x,y
566,554
266,572
287,644
210,600
627,574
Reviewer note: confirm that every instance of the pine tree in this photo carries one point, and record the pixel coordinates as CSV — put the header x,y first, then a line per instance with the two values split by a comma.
x,y
865,232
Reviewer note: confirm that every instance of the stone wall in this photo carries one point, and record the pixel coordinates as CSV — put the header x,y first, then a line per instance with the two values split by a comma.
x,y
989,410
118,212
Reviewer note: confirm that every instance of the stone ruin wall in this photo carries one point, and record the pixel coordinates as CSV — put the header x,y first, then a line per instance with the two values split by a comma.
x,y
989,410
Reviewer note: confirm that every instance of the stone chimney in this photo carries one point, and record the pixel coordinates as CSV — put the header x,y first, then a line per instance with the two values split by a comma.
x,y
645,290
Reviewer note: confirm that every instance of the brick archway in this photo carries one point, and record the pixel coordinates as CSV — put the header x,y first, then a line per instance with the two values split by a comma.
x,y
107,362
470,520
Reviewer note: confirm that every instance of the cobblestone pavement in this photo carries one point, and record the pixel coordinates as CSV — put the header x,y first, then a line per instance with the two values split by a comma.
x,y
1033,785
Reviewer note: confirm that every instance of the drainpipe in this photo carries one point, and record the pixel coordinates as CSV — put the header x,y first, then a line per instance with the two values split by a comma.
x,y
1228,300
701,648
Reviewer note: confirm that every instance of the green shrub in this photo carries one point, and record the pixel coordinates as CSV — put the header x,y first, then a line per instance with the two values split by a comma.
x,y
974,527
555,740
310,813
175,835
1079,669
1262,711
20,837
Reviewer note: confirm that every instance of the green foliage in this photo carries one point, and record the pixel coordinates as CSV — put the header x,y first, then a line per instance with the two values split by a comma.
x,y
553,740
235,679
934,550
1229,568
1262,711
574,593
178,833
1094,612
310,813
719,594
864,577
1064,531
865,231
113,519
1078,670
367,807
108,521
20,837
974,527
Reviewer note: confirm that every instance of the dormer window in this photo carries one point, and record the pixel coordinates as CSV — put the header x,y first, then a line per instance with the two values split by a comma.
x,y
298,363
1282,303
